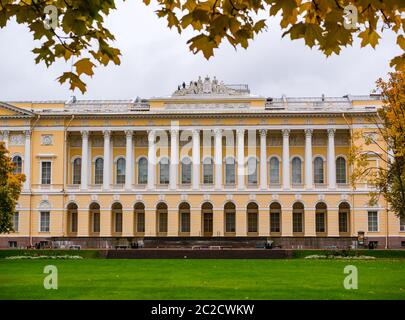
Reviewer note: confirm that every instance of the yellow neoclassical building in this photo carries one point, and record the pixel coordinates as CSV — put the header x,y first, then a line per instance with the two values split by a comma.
x,y
210,163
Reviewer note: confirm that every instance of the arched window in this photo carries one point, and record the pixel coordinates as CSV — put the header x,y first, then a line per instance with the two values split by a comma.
x,y
164,171
296,171
320,217
17,161
120,174
142,171
72,216
161,215
184,214
95,217
186,171
298,217
208,171
318,170
341,170
77,171
229,171
275,217
230,219
274,171
252,217
117,217
207,219
252,171
344,212
139,210
98,171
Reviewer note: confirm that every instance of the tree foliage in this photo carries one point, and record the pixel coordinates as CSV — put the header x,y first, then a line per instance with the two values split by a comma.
x,y
388,179
10,188
80,32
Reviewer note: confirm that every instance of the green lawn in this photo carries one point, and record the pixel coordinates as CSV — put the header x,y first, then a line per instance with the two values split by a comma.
x,y
202,279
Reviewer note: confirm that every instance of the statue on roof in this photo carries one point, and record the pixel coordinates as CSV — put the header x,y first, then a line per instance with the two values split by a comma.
x,y
206,87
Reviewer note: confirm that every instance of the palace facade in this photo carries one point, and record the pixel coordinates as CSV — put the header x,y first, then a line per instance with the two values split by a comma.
x,y
211,162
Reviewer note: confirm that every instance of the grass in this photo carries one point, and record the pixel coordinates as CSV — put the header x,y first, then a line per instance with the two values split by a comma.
x,y
202,279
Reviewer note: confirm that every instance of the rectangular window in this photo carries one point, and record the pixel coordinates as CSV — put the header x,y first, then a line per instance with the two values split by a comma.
x,y
343,222
12,244
230,222
16,221
297,222
230,173
45,221
46,170
96,222
118,222
252,222
164,173
74,221
186,173
402,224
320,222
98,171
140,222
163,222
208,170
372,221
185,222
275,222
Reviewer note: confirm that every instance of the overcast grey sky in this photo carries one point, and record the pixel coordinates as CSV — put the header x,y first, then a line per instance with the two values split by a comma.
x,y
155,59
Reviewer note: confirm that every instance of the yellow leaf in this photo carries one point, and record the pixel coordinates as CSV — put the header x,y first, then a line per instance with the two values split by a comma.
x,y
401,41
84,66
369,36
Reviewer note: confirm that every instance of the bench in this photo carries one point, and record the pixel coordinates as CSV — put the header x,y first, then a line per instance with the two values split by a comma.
x,y
121,247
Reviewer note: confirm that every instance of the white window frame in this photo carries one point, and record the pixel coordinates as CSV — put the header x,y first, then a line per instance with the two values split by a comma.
x,y
22,160
254,174
73,170
16,226
190,163
138,170
278,173
368,220
40,221
292,170
323,169
402,224
40,172
346,169
116,169
231,183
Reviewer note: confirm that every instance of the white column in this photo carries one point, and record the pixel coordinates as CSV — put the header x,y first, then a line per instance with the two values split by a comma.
x,y
27,160
151,160
308,159
286,159
331,159
218,159
263,159
107,158
241,158
128,160
196,159
6,138
174,159
85,158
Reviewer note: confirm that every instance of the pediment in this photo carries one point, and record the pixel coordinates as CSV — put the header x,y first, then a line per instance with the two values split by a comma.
x,y
8,110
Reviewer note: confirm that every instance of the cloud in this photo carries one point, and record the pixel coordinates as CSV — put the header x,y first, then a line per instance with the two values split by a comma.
x,y
156,59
